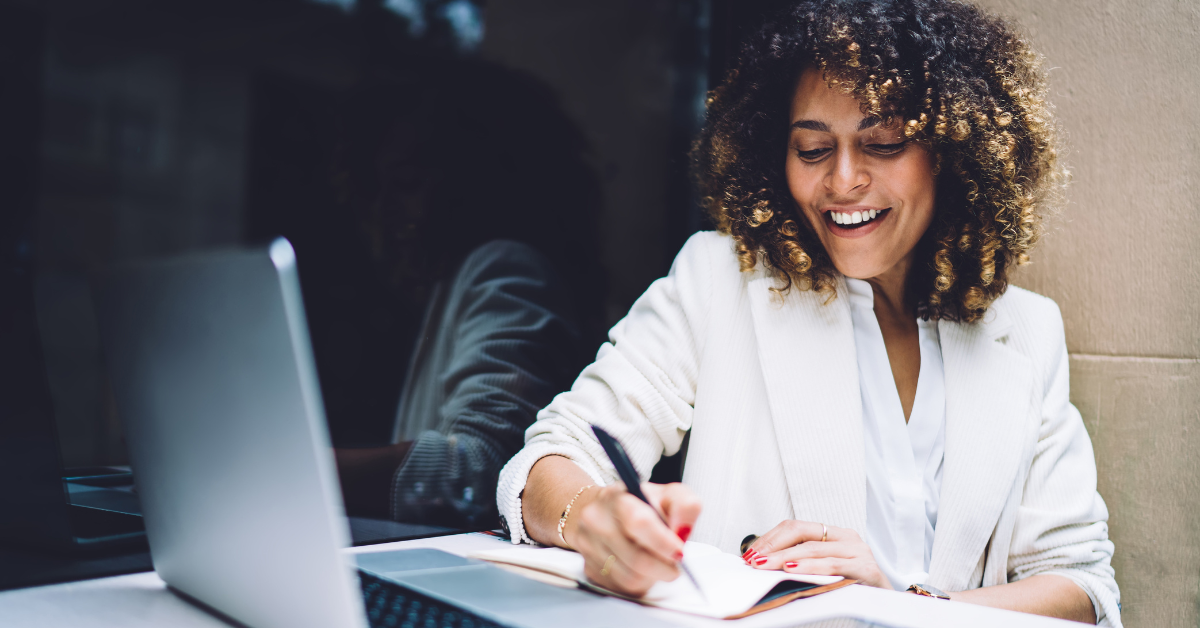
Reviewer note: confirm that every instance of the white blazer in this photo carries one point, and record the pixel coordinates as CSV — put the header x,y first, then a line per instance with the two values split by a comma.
x,y
768,389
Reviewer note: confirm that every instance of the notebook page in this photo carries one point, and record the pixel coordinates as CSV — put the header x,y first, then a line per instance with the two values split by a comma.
x,y
731,586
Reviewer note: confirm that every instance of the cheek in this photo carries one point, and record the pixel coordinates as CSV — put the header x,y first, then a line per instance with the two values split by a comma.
x,y
803,185
919,187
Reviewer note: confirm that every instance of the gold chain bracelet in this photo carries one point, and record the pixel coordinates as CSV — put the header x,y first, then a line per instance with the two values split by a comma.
x,y
562,521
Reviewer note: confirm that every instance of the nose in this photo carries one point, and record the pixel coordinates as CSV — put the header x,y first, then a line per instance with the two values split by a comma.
x,y
848,173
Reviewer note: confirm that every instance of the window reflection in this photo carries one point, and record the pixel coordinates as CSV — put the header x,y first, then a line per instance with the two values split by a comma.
x,y
443,209
477,208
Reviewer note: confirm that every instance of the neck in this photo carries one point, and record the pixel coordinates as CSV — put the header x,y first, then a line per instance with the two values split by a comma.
x,y
890,289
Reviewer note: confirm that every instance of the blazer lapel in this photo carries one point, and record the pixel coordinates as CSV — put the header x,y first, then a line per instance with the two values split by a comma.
x,y
806,350
989,399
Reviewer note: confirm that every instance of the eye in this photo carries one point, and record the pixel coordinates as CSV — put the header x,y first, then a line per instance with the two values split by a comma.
x,y
812,155
887,149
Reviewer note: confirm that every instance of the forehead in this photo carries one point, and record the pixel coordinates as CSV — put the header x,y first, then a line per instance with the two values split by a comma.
x,y
813,99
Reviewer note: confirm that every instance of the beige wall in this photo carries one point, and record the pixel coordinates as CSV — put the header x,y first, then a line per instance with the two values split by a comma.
x,y
1123,263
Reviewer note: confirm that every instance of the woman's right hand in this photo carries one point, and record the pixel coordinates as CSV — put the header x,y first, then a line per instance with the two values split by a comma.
x,y
625,546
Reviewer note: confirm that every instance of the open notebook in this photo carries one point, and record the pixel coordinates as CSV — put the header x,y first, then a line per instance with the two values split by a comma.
x,y
733,589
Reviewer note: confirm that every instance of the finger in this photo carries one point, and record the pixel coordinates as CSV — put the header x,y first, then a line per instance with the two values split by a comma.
x,y
643,527
607,525
806,551
643,561
601,537
681,507
785,535
822,567
863,570
605,568
794,532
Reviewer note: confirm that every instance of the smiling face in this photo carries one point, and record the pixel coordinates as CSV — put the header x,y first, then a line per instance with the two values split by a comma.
x,y
867,192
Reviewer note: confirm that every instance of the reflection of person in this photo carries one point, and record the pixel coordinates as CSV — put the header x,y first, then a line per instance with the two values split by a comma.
x,y
856,380
480,209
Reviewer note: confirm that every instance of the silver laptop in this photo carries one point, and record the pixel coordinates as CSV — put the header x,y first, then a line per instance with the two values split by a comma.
x,y
215,384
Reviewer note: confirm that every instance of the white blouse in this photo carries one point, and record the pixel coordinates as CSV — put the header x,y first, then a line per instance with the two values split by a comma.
x,y
903,462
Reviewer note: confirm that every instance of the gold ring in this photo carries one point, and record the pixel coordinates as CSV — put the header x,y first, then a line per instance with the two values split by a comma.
x,y
824,533
608,563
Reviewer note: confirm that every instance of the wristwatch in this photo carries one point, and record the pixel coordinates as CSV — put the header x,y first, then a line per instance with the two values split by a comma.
x,y
928,591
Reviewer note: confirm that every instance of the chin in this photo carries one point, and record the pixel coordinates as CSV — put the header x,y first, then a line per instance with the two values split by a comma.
x,y
856,267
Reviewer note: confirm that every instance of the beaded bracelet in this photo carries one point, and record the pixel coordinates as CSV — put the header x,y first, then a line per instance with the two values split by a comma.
x,y
562,521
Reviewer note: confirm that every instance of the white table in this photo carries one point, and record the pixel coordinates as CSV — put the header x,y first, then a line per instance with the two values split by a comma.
x,y
142,600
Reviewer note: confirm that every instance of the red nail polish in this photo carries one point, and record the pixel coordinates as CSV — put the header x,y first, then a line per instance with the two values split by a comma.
x,y
761,560
790,565
684,532
747,553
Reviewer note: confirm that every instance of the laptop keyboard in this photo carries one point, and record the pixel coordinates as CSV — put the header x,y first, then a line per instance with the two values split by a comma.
x,y
392,606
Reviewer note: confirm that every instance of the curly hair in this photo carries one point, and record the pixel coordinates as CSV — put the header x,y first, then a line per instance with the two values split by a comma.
x,y
957,79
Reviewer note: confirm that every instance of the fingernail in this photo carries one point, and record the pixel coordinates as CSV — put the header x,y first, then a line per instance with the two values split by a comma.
x,y
747,553
790,565
761,560
684,532
678,556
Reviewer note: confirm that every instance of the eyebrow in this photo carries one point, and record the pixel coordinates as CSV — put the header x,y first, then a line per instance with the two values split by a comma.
x,y
817,125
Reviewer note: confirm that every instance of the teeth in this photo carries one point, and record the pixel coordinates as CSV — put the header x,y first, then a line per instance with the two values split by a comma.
x,y
854,218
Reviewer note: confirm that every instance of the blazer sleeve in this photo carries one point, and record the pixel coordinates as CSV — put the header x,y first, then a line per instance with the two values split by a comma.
x,y
1062,522
515,345
641,388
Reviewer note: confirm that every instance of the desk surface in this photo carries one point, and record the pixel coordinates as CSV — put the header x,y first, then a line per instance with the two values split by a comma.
x,y
142,600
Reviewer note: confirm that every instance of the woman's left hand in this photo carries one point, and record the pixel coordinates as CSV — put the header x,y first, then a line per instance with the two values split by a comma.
x,y
796,547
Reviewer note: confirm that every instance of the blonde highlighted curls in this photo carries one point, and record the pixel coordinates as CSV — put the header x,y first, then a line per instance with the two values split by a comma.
x,y
956,79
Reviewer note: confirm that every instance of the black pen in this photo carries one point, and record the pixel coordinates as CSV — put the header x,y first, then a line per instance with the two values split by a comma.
x,y
620,459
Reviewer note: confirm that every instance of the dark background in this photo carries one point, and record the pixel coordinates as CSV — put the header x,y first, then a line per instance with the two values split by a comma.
x,y
136,128
142,128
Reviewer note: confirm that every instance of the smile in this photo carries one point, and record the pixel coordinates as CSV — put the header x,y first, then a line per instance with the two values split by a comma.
x,y
854,219
855,222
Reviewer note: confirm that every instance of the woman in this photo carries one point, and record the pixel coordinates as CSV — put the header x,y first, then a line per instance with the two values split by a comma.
x,y
843,360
